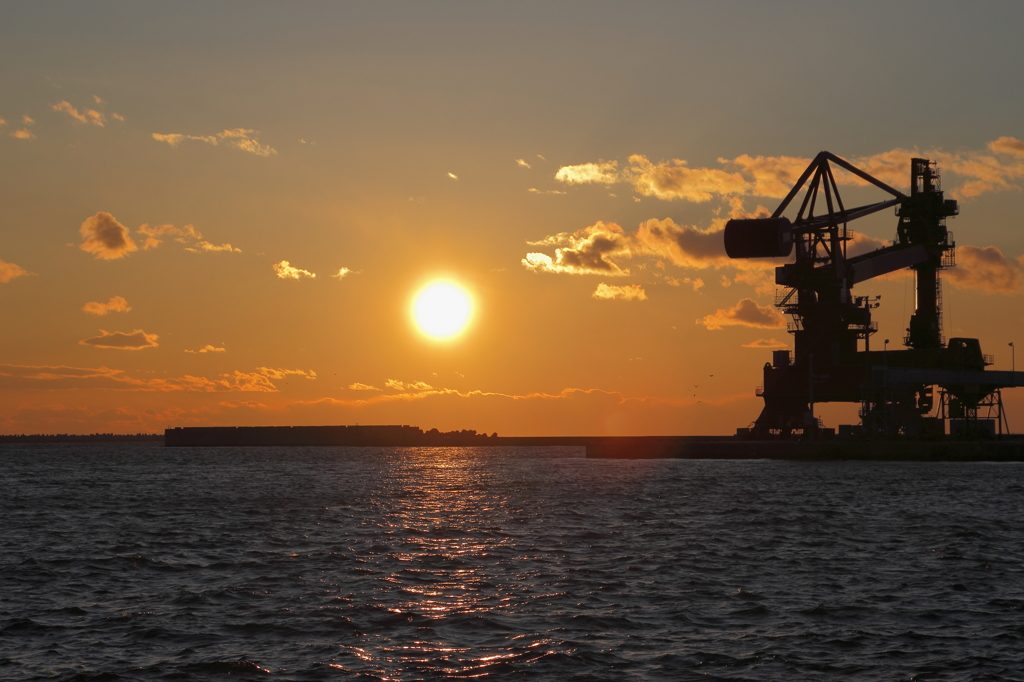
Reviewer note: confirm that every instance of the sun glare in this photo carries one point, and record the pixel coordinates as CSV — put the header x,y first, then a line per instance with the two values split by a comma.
x,y
442,310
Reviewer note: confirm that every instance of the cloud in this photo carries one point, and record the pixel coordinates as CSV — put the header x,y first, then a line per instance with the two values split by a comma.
x,y
696,282
61,377
259,381
766,343
117,117
9,271
627,292
683,245
284,270
3,122
277,374
187,234
453,176
407,386
23,134
208,349
534,190
136,340
552,240
600,248
115,304
675,180
239,138
244,139
522,163
105,238
603,172
999,167
174,139
180,234
746,313
27,120
1007,145
589,251
987,270
341,273
362,387
85,116
203,246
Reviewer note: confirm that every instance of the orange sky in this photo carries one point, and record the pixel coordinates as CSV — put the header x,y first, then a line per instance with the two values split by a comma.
x,y
218,214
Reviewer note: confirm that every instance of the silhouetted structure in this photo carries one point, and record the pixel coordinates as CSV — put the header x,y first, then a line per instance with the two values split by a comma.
x,y
82,438
894,387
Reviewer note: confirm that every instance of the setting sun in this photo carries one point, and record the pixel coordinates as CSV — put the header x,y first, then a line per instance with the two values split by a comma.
x,y
442,310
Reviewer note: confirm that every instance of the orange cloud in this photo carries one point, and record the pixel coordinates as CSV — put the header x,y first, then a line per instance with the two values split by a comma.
x,y
362,387
675,180
9,271
683,245
239,138
572,410
589,251
174,139
105,238
1000,167
136,340
766,343
61,377
522,163
85,116
23,134
115,304
186,234
342,273
600,248
202,246
180,234
746,313
417,386
987,270
1007,145
627,292
285,270
208,348
278,374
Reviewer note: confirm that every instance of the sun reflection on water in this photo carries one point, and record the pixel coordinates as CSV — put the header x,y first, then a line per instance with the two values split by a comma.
x,y
448,569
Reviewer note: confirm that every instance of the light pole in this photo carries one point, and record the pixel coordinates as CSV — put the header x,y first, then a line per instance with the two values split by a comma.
x,y
885,352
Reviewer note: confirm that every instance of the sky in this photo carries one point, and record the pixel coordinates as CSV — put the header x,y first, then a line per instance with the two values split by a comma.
x,y
219,213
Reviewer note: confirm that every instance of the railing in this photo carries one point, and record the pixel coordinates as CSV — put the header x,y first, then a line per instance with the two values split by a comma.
x,y
988,359
759,391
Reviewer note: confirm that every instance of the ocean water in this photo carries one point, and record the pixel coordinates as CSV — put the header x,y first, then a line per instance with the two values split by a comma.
x,y
137,562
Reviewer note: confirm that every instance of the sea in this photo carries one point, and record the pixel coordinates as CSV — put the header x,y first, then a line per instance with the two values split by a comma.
x,y
138,562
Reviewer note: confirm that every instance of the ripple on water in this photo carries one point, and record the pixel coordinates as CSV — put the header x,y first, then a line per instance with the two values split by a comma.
x,y
138,562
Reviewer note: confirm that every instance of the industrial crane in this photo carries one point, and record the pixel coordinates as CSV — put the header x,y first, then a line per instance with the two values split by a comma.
x,y
894,387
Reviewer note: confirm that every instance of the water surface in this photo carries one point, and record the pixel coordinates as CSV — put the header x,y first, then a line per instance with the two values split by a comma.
x,y
139,562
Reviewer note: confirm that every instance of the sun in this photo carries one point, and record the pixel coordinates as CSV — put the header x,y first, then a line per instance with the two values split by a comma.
x,y
442,310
